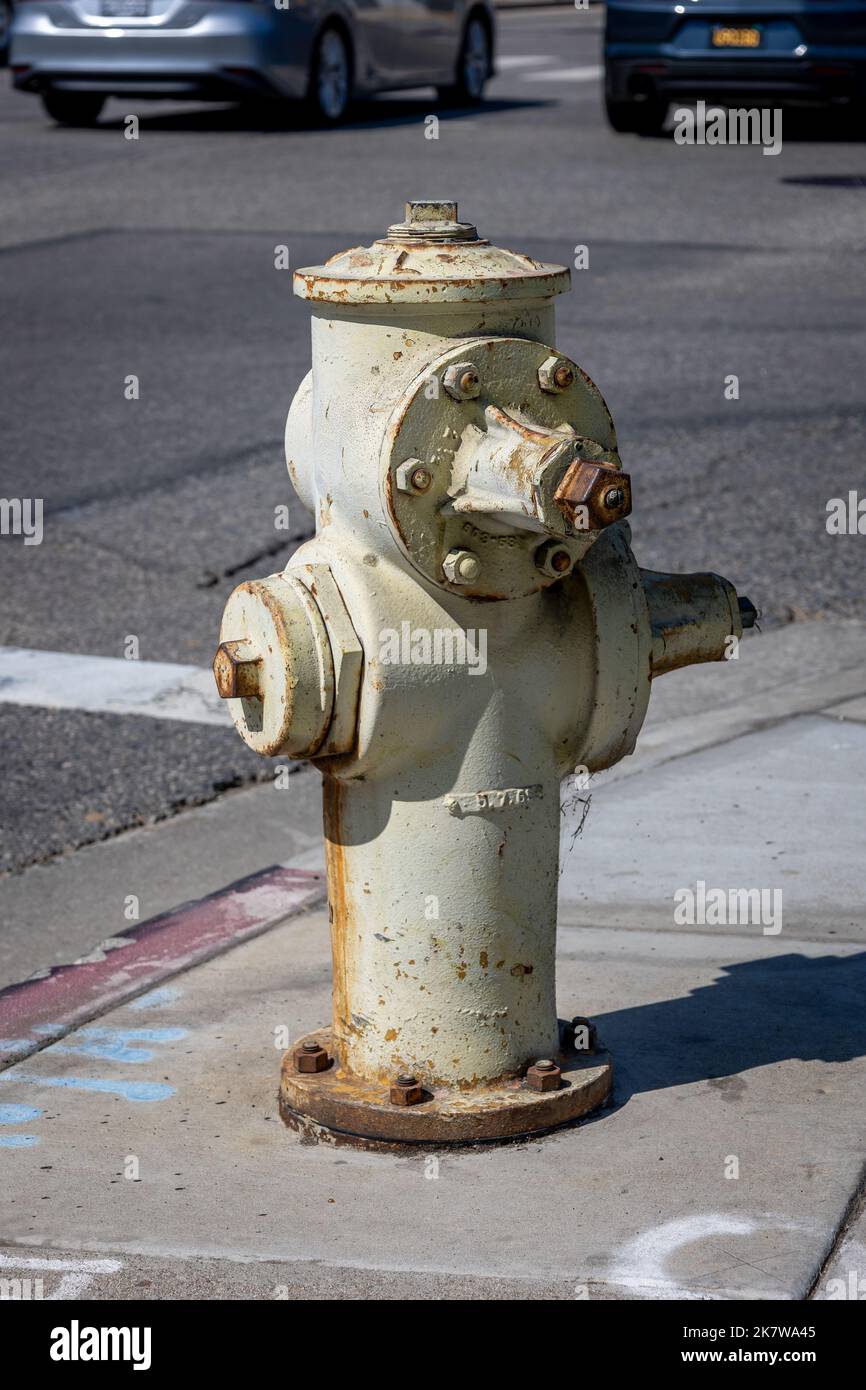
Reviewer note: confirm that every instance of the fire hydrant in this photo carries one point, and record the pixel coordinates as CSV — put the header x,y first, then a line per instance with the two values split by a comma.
x,y
467,627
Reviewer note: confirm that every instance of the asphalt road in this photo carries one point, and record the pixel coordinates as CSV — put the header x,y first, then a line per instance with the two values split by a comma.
x,y
156,258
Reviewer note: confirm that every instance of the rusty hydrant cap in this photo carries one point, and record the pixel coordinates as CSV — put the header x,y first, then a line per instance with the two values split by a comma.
x,y
430,257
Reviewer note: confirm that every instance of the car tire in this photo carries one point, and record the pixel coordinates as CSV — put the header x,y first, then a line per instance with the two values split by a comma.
x,y
473,67
73,108
646,117
330,90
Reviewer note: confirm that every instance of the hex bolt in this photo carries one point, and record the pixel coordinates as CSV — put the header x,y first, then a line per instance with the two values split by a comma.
x,y
584,1034
311,1057
237,670
554,559
413,475
461,567
406,1090
462,381
554,375
544,1075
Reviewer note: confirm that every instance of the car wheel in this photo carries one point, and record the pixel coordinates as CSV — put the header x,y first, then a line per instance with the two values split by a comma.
x,y
646,117
331,77
73,108
473,67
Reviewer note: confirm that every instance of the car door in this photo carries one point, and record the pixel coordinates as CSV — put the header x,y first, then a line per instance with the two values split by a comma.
x,y
410,40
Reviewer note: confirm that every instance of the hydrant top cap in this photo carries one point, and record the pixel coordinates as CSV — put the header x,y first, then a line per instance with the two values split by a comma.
x,y
429,258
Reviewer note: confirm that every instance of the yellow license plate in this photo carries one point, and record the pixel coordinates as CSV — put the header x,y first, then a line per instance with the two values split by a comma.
x,y
724,37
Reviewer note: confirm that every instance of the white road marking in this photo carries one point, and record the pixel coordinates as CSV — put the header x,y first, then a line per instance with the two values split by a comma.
x,y
78,1275
109,685
524,60
564,75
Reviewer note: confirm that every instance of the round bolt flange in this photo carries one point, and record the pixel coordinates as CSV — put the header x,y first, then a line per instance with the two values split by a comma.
x,y
462,381
555,374
311,1057
406,1090
584,1034
461,567
552,558
544,1075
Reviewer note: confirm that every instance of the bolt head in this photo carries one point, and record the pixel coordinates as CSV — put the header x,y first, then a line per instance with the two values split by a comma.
x,y
461,567
310,1057
406,1090
413,475
614,497
421,480
544,1075
555,374
554,559
462,381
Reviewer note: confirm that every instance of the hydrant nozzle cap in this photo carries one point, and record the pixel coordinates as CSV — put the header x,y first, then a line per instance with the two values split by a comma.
x,y
429,258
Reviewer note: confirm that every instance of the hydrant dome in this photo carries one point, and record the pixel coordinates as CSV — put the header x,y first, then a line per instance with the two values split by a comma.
x,y
430,257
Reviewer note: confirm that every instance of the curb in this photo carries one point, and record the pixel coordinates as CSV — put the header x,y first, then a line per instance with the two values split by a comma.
x,y
38,1011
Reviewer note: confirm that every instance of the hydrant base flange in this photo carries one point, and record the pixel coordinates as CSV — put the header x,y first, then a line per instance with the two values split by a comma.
x,y
336,1105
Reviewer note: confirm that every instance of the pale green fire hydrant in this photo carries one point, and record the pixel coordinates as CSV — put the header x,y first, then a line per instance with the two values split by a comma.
x,y
467,627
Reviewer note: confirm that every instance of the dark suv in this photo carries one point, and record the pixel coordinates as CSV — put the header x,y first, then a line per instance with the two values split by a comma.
x,y
734,52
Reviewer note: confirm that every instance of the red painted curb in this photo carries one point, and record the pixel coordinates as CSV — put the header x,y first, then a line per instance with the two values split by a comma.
x,y
66,996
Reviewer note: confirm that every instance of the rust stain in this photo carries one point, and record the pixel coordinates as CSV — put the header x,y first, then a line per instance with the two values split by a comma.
x,y
339,908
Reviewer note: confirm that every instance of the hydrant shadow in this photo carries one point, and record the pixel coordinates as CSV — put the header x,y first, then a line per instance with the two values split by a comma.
x,y
759,1012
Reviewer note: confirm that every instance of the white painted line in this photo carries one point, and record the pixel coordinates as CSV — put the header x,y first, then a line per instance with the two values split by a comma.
x,y
78,1275
524,60
109,685
564,75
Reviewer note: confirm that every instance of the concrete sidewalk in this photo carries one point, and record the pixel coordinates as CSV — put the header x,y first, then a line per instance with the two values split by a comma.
x,y
143,1155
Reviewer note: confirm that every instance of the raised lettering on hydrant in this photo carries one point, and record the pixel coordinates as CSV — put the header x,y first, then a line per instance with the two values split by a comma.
x,y
465,481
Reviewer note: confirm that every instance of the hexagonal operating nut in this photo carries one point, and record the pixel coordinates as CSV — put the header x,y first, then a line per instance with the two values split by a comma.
x,y
555,374
310,1057
461,567
237,670
543,1075
406,1090
413,476
461,380
592,495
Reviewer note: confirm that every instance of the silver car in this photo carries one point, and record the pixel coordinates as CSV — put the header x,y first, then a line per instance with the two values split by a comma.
x,y
75,53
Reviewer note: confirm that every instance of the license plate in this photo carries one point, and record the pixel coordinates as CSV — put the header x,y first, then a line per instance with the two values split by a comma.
x,y
725,37
125,9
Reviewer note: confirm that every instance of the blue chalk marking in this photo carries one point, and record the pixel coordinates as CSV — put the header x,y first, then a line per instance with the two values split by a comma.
x,y
13,1045
110,1044
156,998
18,1114
129,1090
18,1141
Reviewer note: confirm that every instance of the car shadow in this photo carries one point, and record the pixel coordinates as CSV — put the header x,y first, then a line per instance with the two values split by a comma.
x,y
277,118
756,1014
